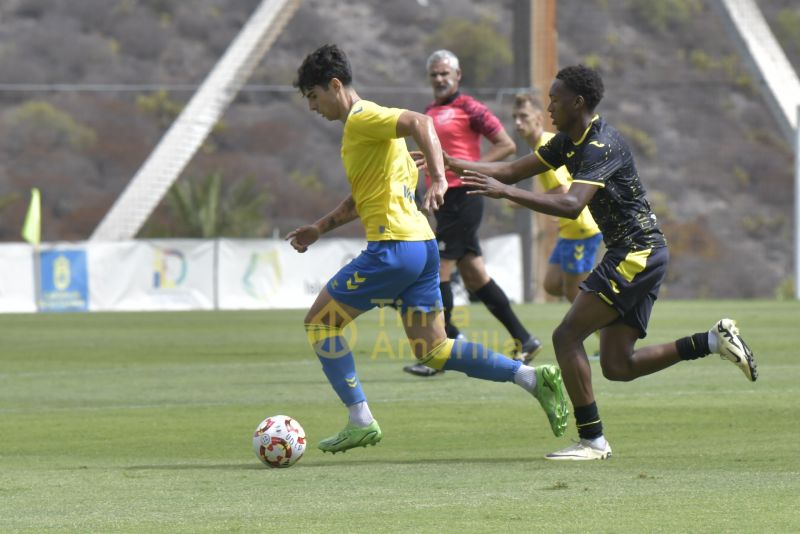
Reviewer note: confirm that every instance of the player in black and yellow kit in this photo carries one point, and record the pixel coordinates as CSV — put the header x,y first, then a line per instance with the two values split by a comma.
x,y
618,295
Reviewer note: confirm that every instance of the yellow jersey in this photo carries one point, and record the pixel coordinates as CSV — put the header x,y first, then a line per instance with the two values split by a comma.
x,y
580,228
382,175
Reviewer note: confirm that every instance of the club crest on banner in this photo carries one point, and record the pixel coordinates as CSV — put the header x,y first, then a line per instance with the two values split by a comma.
x,y
64,278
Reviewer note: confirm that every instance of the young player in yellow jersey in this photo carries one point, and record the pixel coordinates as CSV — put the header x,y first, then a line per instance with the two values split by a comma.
x,y
400,266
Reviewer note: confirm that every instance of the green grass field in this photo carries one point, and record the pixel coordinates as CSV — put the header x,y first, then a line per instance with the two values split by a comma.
x,y
142,422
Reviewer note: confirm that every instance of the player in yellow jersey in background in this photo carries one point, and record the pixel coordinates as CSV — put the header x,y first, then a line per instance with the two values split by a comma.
x,y
400,265
578,239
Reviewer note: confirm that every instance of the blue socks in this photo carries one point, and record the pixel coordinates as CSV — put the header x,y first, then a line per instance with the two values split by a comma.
x,y
478,361
337,362
339,366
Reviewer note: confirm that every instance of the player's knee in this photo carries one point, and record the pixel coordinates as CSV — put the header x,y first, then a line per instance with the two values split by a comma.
x,y
474,281
553,288
617,371
563,341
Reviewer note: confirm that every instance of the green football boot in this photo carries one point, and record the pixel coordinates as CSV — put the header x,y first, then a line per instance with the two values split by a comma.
x,y
352,436
550,394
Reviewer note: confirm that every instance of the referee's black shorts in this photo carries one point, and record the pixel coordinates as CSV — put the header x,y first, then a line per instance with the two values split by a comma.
x,y
629,282
457,223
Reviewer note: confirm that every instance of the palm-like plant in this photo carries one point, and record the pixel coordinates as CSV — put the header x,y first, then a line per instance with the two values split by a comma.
x,y
204,208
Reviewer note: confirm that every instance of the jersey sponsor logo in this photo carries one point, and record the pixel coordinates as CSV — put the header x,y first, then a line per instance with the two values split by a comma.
x,y
598,144
355,281
445,115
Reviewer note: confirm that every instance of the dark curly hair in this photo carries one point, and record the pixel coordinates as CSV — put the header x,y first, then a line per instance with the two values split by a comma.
x,y
583,81
321,66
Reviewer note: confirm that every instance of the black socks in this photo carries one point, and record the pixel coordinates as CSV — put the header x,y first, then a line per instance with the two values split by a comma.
x,y
447,303
497,302
587,420
693,347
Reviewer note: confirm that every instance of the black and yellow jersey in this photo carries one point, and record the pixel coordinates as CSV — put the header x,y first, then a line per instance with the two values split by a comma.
x,y
602,157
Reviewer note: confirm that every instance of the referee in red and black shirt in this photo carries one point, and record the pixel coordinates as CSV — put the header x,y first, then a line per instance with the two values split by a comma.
x,y
460,122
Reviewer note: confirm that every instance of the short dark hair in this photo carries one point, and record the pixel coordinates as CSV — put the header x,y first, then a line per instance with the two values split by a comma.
x,y
583,81
321,66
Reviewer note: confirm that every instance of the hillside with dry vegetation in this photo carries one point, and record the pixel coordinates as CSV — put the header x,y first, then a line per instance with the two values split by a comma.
x,y
90,86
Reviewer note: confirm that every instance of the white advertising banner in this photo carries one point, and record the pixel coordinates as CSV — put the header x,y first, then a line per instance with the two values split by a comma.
x,y
195,274
269,273
258,274
168,274
17,290
503,258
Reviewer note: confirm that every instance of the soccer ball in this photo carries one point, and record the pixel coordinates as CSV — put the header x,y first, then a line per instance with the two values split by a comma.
x,y
279,441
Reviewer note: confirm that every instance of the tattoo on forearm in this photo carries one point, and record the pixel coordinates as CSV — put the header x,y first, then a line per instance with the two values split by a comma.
x,y
343,214
330,224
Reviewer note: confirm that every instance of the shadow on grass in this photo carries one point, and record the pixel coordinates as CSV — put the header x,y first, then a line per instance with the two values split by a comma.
x,y
316,464
186,467
334,463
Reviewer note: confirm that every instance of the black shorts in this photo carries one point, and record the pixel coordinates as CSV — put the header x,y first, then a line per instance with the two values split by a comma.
x,y
457,223
629,281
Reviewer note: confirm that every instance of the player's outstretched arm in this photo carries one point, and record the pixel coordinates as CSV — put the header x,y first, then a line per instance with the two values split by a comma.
x,y
568,204
305,236
420,127
507,172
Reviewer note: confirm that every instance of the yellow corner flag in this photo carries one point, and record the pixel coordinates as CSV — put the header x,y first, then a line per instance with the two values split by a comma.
x,y
32,228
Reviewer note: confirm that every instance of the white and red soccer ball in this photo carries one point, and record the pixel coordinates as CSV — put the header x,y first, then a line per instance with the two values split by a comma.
x,y
279,441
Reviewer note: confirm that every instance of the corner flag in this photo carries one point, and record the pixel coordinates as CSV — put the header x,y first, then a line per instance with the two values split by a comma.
x,y
32,228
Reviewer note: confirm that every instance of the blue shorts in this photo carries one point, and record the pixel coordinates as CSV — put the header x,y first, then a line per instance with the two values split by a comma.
x,y
576,256
403,274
